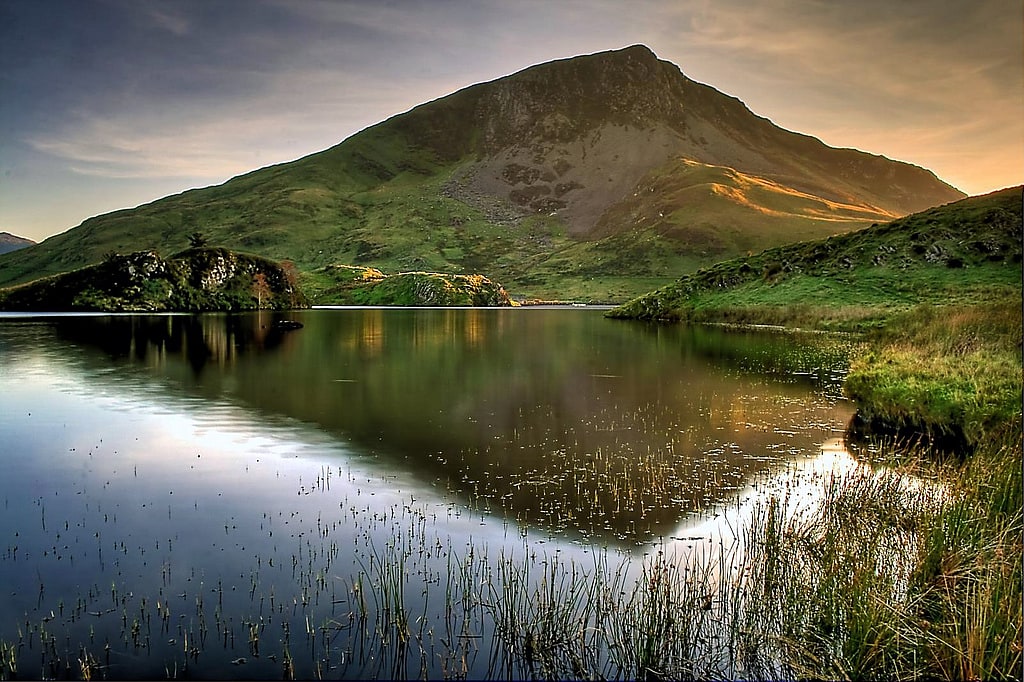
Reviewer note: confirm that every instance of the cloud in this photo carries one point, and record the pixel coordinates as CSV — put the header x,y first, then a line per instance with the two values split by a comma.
x,y
166,18
209,142
917,52
937,83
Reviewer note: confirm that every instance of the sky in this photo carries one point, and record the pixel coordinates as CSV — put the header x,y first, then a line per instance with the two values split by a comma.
x,y
109,104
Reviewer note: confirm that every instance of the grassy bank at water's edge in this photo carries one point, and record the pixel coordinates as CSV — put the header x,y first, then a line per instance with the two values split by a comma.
x,y
951,373
950,377
881,582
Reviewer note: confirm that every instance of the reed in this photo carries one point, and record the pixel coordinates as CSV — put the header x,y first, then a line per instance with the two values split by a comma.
x,y
901,568
8,661
830,590
969,578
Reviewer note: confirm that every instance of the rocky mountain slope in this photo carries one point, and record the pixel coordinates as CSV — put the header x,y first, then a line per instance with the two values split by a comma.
x,y
579,136
596,177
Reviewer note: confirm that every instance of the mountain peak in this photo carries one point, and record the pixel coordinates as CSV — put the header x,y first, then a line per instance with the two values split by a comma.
x,y
636,53
638,49
573,136
607,164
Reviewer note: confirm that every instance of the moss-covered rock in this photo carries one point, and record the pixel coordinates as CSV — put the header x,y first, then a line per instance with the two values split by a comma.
x,y
354,285
199,279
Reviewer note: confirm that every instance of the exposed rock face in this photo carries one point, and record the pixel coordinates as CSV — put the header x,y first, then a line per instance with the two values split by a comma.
x,y
431,288
576,136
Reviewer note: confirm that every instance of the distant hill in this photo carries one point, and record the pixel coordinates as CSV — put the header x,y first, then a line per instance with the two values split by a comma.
x,y
595,177
10,242
966,251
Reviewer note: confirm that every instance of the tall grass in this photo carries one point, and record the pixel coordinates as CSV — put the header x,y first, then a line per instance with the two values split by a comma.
x,y
827,590
946,371
968,580
881,579
872,573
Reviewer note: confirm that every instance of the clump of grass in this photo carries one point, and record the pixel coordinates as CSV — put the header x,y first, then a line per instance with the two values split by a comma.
x,y
968,579
952,372
828,587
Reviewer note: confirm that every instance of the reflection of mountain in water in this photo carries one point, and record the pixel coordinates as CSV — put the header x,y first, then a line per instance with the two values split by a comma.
x,y
557,417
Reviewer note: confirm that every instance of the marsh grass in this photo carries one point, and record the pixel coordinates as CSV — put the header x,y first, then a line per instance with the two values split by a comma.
x,y
820,590
969,578
8,661
868,573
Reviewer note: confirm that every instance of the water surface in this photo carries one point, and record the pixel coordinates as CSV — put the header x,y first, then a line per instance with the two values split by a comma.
x,y
174,484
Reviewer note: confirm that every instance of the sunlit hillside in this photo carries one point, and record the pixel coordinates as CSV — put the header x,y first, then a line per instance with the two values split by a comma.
x,y
967,251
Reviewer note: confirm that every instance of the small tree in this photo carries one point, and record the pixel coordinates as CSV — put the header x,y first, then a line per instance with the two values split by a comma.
x,y
260,287
197,240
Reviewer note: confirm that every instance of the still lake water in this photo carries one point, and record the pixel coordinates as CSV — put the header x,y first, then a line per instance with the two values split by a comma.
x,y
207,495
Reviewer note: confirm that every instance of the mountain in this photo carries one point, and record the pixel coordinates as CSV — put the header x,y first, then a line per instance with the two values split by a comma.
x,y
595,177
963,252
10,242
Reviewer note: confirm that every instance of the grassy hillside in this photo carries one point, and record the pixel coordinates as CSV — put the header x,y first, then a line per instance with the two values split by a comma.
x,y
595,178
410,222
967,251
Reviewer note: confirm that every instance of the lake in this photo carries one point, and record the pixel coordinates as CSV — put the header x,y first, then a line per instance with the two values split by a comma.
x,y
212,496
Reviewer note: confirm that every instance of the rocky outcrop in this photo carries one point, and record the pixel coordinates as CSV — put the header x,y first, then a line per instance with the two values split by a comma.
x,y
205,279
354,285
